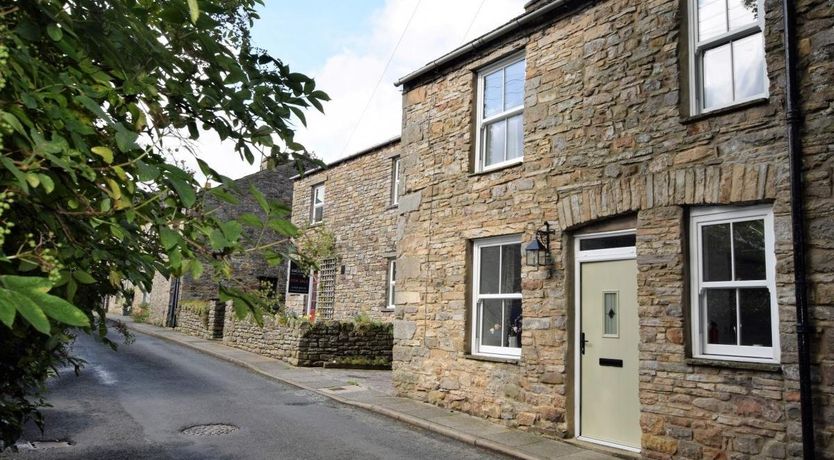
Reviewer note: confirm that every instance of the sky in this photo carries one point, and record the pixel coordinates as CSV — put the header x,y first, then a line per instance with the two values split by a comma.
x,y
355,50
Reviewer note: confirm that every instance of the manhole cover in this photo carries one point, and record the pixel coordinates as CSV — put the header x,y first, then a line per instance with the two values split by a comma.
x,y
210,429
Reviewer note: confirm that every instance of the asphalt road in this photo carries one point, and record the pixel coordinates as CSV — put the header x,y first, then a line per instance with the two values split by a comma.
x,y
134,404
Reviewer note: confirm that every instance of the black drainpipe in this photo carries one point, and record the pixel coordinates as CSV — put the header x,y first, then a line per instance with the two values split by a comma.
x,y
793,119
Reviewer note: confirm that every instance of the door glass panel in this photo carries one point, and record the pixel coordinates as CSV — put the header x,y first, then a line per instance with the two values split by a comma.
x,y
493,87
495,142
512,312
718,79
712,19
716,252
754,306
749,67
511,268
607,242
721,316
748,249
492,325
514,85
610,314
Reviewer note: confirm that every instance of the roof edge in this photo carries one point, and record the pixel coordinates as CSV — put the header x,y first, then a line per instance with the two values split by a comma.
x,y
352,156
514,24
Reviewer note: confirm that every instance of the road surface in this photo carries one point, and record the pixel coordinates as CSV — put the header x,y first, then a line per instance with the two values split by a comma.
x,y
135,403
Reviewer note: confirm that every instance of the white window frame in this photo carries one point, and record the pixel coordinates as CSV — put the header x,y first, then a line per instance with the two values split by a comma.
x,y
696,57
392,284
395,181
720,215
477,348
481,123
314,206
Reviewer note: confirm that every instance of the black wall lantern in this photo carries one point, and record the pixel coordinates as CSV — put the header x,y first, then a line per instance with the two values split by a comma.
x,y
538,251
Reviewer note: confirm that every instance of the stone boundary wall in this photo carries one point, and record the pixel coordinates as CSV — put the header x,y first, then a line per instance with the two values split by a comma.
x,y
301,343
207,325
192,323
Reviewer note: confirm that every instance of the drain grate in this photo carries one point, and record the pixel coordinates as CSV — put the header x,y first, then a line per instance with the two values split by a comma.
x,y
209,429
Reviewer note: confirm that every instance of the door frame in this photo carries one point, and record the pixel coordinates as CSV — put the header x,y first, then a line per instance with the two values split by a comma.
x,y
580,257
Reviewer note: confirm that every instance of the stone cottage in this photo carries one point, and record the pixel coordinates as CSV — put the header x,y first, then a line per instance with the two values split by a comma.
x,y
596,236
195,300
354,202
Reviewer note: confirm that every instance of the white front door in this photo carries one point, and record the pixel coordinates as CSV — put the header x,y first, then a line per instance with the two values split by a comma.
x,y
608,336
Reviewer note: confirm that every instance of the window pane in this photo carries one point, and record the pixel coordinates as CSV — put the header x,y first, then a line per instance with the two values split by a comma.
x,y
493,87
742,12
512,312
749,66
716,252
490,269
514,85
511,268
748,248
754,306
491,324
318,213
608,242
712,19
718,84
515,135
496,133
721,316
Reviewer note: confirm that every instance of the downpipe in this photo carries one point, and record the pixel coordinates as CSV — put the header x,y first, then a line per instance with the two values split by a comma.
x,y
793,119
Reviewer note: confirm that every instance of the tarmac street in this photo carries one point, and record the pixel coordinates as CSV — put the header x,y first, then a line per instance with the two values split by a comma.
x,y
155,399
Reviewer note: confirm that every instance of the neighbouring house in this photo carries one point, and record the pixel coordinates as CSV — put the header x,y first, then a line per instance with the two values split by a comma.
x,y
352,206
150,307
195,301
595,233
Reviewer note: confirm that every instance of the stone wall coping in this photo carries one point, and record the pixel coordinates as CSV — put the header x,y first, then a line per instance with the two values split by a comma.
x,y
765,367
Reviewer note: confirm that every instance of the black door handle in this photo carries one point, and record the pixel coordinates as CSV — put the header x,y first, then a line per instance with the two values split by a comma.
x,y
582,343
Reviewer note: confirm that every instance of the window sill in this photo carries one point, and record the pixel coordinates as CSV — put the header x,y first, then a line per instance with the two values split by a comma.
x,y
725,110
752,366
498,168
387,310
493,359
392,207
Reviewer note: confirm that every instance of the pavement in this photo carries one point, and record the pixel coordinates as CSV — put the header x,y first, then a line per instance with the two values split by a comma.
x,y
373,391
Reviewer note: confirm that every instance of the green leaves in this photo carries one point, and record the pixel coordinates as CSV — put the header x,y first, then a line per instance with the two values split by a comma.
x,y
54,32
28,296
193,10
105,153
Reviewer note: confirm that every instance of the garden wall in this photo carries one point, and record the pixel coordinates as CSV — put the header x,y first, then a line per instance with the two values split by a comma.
x,y
302,343
201,320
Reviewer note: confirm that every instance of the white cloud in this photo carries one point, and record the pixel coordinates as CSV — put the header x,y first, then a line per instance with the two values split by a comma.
x,y
350,76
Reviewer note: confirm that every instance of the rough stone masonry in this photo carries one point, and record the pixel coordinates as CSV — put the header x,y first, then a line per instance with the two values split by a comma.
x,y
607,135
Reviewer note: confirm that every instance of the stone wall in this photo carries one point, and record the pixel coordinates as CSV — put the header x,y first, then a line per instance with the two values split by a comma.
x,y
202,320
302,343
193,323
605,136
358,211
